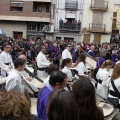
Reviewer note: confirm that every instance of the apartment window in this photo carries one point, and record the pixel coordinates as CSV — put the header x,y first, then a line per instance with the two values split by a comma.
x,y
114,22
115,14
33,26
41,7
16,6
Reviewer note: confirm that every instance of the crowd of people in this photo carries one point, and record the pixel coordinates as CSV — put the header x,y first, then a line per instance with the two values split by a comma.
x,y
69,91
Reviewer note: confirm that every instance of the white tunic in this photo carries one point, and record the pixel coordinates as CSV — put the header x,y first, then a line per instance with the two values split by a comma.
x,y
42,62
117,85
66,54
68,72
5,57
13,79
102,89
81,68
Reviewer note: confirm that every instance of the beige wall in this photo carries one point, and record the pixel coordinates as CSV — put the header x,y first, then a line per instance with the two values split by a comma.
x,y
10,27
107,20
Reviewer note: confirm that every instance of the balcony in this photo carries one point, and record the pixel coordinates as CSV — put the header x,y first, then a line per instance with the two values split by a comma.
x,y
99,5
71,5
96,27
69,27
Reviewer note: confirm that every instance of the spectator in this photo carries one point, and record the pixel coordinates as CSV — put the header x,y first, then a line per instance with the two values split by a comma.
x,y
91,51
14,106
84,94
62,106
57,80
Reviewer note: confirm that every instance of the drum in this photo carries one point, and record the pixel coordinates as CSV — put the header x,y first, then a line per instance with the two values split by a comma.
x,y
30,69
108,110
91,62
37,83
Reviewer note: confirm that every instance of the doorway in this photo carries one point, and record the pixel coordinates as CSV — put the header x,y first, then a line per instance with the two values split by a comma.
x,y
18,34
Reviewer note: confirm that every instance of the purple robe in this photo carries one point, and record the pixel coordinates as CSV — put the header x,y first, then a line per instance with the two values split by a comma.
x,y
100,60
42,101
92,53
72,50
114,58
74,57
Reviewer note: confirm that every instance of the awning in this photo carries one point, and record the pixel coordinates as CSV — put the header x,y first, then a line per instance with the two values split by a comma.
x,y
16,4
70,15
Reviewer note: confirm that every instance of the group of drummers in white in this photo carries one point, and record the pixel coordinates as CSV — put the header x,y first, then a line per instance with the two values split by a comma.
x,y
107,85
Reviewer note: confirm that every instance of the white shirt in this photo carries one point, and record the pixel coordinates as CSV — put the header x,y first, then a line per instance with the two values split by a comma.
x,y
68,72
13,79
46,81
117,84
103,75
5,57
66,54
42,61
81,68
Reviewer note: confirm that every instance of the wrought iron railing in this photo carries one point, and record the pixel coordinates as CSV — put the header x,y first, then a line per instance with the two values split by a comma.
x,y
70,27
97,27
71,4
99,4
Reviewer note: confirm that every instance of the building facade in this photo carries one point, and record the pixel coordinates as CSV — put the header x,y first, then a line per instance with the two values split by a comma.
x,y
68,17
97,21
27,18
116,18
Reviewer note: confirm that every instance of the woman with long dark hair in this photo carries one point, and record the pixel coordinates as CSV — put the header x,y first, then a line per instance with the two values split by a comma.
x,y
84,94
62,106
81,65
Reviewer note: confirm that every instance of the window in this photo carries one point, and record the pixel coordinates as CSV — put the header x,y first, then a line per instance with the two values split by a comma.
x,y
115,14
33,26
58,38
41,7
114,22
16,6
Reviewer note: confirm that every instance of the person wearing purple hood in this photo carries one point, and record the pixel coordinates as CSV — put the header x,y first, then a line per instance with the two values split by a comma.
x,y
91,51
101,59
114,56
57,80
76,53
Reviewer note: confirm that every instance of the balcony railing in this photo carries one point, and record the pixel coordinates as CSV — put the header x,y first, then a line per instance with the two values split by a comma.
x,y
71,4
69,27
99,5
96,27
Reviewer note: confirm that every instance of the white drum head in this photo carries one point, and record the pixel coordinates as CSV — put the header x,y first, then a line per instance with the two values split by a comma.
x,y
107,109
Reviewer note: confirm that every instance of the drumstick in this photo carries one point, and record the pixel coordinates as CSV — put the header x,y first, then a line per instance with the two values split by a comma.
x,y
101,97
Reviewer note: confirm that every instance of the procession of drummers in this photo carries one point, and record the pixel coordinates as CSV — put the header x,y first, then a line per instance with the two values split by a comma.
x,y
70,72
